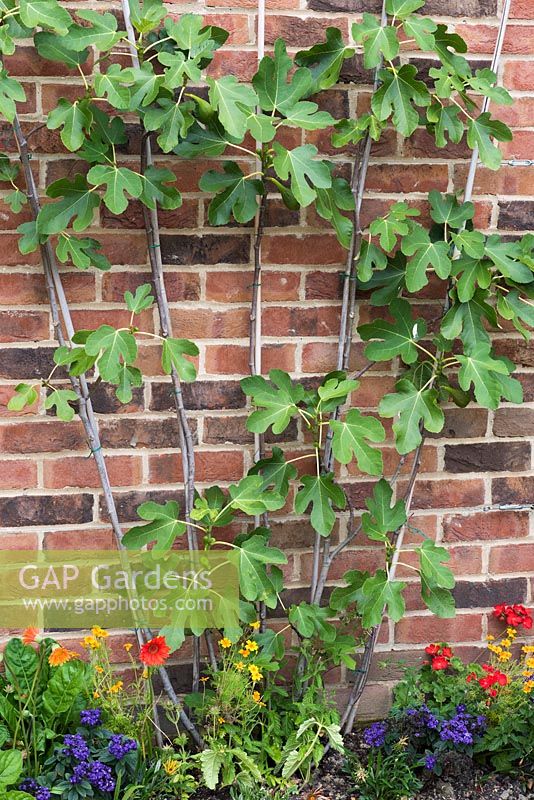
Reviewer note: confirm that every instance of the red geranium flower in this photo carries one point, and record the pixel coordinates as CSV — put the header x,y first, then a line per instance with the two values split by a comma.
x,y
432,649
446,652
440,662
515,616
155,652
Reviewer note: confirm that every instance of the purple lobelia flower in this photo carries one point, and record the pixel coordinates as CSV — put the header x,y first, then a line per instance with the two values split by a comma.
x,y
430,761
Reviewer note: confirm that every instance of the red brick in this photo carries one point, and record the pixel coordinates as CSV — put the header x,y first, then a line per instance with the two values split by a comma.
x,y
82,472
485,526
518,558
179,285
201,323
423,630
519,39
80,539
18,474
23,326
519,75
237,25
301,32
215,465
236,287
295,321
242,64
522,9
444,493
18,541
400,179
41,436
310,249
233,359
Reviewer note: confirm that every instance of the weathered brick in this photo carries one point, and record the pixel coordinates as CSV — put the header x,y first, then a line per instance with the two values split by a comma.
x,y
17,474
514,422
182,249
507,560
483,594
231,359
80,539
444,493
212,465
128,502
179,285
485,526
301,32
421,630
485,457
516,215
16,512
512,490
236,287
81,472
151,433
40,436
199,395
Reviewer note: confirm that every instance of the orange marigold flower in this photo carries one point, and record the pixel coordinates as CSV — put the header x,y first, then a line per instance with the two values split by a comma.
x,y
244,652
155,652
60,655
29,635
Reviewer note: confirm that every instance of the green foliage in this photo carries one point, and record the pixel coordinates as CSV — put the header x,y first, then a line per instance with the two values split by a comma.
x,y
163,526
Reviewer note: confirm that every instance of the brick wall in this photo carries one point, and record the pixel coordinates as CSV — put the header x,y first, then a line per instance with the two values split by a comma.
x,y
49,494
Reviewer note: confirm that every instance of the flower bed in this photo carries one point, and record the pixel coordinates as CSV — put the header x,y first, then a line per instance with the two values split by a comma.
x,y
79,727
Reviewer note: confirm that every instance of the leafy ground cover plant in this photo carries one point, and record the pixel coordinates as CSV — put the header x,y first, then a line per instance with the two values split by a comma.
x,y
484,279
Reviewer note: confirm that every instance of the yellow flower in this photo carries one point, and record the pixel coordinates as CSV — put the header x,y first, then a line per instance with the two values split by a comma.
x,y
99,633
204,679
255,625
256,696
490,638
506,643
96,695
128,646
221,720
511,632
527,674
244,652
226,643
171,766
528,687
528,648
255,673
252,646
91,643
530,663
144,674
99,669
505,656
116,688
239,666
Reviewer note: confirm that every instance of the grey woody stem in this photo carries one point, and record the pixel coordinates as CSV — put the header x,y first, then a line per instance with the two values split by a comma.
x,y
362,674
151,224
348,310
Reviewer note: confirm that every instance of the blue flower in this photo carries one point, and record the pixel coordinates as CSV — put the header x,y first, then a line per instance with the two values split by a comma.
x,y
119,746
375,734
75,747
101,777
430,761
91,717
30,786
